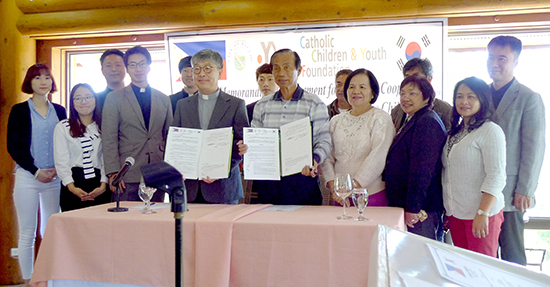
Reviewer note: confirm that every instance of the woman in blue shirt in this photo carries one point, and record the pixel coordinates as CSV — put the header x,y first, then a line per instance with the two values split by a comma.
x,y
30,144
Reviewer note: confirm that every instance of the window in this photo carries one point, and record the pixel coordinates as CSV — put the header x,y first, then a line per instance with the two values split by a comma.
x,y
84,67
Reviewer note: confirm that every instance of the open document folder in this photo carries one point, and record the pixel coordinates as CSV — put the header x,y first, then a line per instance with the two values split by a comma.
x,y
200,153
273,153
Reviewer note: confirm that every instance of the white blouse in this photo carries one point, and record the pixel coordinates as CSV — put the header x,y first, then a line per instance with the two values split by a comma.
x,y
360,146
68,151
477,163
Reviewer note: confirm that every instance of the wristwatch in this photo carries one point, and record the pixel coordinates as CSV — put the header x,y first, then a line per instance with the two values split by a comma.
x,y
482,212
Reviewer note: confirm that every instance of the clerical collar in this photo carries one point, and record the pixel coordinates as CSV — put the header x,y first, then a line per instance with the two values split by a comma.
x,y
138,89
210,96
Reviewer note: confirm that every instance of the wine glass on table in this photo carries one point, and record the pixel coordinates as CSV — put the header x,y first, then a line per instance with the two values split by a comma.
x,y
343,186
360,198
146,194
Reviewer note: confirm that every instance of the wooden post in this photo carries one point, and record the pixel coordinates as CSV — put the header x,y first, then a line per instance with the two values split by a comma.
x,y
17,54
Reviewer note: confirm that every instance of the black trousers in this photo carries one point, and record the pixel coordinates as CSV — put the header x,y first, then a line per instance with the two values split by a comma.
x,y
69,201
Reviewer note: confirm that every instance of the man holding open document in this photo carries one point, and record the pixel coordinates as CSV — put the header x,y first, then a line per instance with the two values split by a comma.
x,y
290,105
211,109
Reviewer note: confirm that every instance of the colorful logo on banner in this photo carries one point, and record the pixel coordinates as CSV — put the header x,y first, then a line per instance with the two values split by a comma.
x,y
412,50
239,60
190,48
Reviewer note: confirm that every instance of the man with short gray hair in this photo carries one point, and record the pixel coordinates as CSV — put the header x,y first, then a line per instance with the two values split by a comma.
x,y
211,108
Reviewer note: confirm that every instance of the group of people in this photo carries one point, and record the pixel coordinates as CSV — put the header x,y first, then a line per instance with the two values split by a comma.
x,y
472,167
477,162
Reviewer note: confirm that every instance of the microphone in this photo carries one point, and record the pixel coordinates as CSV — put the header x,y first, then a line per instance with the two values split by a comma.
x,y
129,162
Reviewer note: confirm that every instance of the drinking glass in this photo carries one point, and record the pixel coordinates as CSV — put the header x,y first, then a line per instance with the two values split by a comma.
x,y
360,199
342,187
146,193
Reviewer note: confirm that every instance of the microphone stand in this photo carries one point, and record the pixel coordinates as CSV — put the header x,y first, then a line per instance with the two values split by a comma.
x,y
179,205
163,176
117,196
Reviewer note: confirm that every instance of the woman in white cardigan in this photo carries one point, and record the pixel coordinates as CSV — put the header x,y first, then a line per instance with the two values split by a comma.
x,y
474,170
361,139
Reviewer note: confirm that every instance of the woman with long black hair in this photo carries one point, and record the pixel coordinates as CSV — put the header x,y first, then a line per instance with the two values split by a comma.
x,y
78,152
474,170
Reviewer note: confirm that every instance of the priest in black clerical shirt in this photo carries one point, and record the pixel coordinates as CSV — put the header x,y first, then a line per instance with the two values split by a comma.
x,y
135,124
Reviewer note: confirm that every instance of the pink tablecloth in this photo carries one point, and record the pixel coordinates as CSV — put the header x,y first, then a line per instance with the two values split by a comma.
x,y
307,247
224,245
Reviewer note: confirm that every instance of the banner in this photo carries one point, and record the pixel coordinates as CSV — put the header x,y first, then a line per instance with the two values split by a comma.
x,y
324,49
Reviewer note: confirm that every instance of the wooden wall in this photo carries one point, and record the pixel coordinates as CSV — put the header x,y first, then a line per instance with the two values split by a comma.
x,y
74,22
59,18
17,53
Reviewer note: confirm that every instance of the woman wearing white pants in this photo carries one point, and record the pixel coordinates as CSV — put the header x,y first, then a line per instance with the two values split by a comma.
x,y
30,144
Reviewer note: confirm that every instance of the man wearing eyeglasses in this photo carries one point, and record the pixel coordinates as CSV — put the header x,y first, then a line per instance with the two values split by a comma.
x,y
135,124
211,108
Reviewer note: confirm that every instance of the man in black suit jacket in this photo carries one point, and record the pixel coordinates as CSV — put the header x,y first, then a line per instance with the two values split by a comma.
x,y
189,86
114,71
211,108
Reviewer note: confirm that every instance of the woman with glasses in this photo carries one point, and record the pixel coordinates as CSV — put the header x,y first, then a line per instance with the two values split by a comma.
x,y
30,144
78,152
361,138
474,170
413,165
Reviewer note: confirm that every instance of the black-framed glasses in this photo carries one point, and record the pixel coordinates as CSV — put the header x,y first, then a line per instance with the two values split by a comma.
x,y
83,99
135,65
207,70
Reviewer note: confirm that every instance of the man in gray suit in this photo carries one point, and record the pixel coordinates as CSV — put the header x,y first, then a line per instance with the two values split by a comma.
x,y
135,123
520,114
211,108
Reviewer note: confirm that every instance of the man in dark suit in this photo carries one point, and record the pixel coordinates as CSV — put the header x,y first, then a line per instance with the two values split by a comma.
x,y
135,123
114,71
520,114
189,86
422,67
211,108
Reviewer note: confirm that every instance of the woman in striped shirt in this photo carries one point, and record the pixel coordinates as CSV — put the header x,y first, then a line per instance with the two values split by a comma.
x,y
78,152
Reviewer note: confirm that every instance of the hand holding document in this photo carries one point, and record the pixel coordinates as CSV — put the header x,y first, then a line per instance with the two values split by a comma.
x,y
199,153
272,153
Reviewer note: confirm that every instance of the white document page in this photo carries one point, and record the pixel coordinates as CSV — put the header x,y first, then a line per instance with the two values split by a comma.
x,y
469,272
183,147
261,160
296,146
215,157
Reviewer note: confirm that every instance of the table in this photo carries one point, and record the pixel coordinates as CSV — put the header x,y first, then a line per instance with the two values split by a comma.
x,y
224,245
